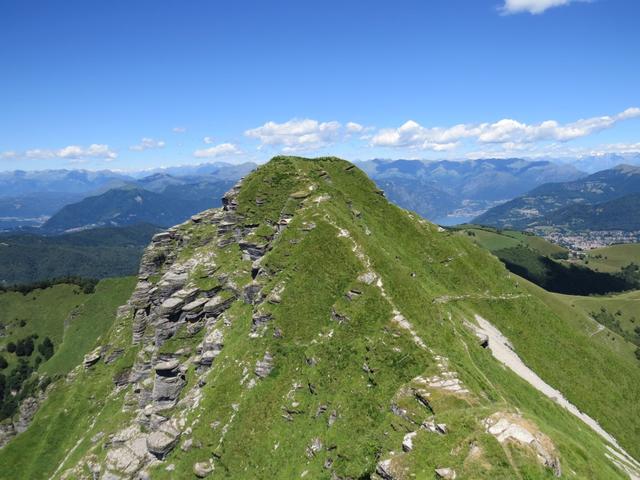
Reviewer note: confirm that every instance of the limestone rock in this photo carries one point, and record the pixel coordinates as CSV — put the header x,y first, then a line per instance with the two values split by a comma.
x,y
367,278
314,447
168,366
446,473
161,443
218,304
383,469
92,357
509,427
195,305
407,441
202,469
171,305
264,366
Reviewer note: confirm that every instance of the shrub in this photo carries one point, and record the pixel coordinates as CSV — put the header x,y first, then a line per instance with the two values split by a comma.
x,y
25,347
46,348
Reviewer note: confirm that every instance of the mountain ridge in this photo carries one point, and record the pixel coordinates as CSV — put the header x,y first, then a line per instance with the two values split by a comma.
x,y
311,326
537,207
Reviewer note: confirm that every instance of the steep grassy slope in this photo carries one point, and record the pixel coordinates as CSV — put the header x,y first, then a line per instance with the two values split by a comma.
x,y
335,327
494,240
71,321
538,260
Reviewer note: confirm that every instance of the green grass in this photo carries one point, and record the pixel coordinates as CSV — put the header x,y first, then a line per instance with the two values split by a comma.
x,y
612,258
493,239
91,320
436,279
44,313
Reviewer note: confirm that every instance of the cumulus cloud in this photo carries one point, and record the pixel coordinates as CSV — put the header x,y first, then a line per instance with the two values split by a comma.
x,y
533,6
297,134
71,152
506,131
147,144
224,149
208,140
179,129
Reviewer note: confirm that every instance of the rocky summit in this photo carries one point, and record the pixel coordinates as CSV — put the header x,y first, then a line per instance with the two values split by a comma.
x,y
310,329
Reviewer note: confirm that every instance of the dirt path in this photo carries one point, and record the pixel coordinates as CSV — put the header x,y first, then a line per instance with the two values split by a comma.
x,y
501,349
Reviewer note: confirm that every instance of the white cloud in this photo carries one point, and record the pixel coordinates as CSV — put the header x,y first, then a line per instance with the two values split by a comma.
x,y
8,155
179,129
71,152
208,140
533,6
353,127
297,135
506,131
147,144
224,149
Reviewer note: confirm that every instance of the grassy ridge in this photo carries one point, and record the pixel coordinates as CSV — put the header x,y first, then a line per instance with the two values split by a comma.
x,y
355,369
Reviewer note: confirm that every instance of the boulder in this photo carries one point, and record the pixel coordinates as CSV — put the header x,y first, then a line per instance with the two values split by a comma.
x,y
433,427
251,294
254,250
124,460
264,366
195,305
161,443
445,473
161,237
314,447
171,305
166,390
383,469
407,441
202,469
218,304
167,366
367,277
92,357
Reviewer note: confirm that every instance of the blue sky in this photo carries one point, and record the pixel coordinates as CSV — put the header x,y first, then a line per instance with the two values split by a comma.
x,y
140,84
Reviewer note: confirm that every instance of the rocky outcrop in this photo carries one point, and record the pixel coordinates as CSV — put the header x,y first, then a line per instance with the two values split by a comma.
x,y
167,300
264,366
512,428
93,357
446,473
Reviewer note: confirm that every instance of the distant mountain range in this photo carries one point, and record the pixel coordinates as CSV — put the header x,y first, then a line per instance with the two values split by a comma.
x,y
606,200
599,162
29,199
450,192
131,205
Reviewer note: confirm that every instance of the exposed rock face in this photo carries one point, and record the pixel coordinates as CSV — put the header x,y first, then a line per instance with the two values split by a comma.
x,y
407,442
264,366
92,358
162,442
508,427
166,300
383,469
